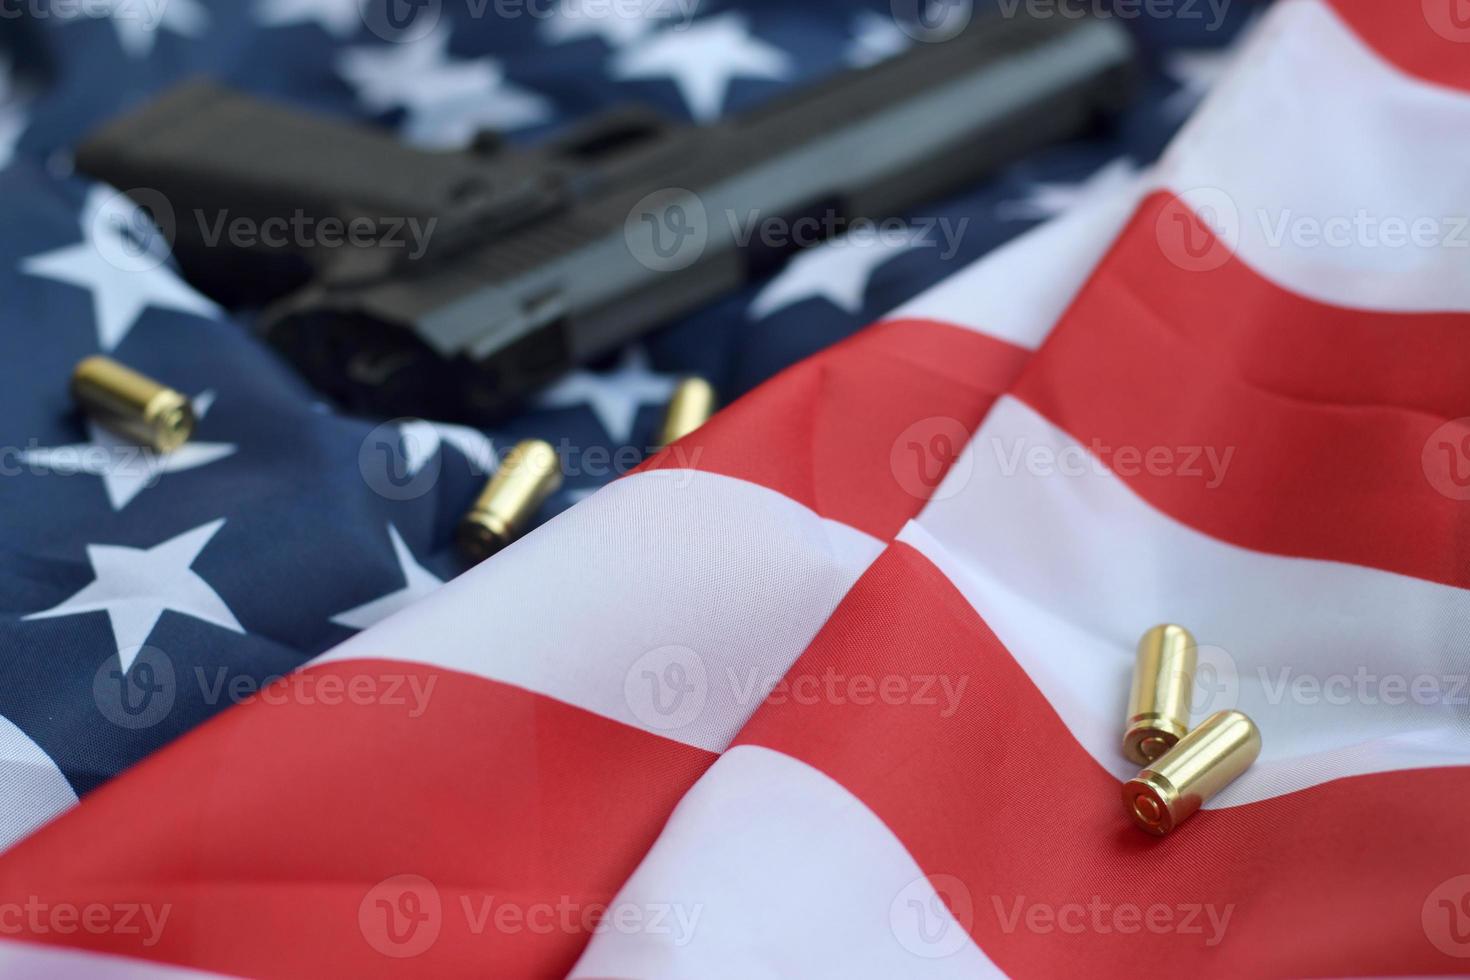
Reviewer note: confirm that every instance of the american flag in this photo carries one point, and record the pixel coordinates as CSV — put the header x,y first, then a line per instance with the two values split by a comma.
x,y
835,686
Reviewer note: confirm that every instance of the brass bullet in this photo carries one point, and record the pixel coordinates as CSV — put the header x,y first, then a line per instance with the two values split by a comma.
x,y
131,405
1163,684
530,473
1204,762
692,405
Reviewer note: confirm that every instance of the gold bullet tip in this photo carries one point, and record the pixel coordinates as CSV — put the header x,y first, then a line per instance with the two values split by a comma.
x,y
1159,701
692,405
530,473
131,404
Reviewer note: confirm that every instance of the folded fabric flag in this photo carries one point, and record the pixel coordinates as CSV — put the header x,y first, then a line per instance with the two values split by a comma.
x,y
834,687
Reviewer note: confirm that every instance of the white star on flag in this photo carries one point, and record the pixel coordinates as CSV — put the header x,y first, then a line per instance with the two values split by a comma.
x,y
1197,71
417,583
875,38
617,25
838,271
422,439
447,100
614,397
135,586
127,469
340,18
13,122
13,119
703,59
124,278
138,21
1047,199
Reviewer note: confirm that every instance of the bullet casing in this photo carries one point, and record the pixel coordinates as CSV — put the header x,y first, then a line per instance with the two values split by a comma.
x,y
530,473
1204,762
132,405
1163,685
692,405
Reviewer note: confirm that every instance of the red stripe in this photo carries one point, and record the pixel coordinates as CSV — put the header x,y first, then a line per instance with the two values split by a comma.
x,y
265,830
836,432
1327,412
1428,38
1283,343
1331,880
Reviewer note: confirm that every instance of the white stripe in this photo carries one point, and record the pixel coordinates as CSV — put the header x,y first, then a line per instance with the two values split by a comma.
x,y
664,601
1020,290
1069,567
32,787
24,961
816,886
1311,125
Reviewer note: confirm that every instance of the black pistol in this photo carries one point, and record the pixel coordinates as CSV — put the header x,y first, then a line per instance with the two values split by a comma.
x,y
543,258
